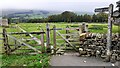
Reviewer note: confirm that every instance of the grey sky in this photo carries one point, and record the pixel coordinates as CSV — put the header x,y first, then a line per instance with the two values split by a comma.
x,y
73,5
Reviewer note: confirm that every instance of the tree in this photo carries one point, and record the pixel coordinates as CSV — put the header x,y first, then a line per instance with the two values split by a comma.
x,y
87,18
94,18
68,16
103,17
54,18
100,17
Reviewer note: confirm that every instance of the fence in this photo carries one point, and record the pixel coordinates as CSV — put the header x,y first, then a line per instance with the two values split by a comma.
x,y
89,44
11,43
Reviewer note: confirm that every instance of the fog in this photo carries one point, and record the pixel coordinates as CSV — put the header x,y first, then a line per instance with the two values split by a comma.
x,y
60,5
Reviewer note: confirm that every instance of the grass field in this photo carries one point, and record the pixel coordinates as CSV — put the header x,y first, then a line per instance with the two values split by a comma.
x,y
0,46
41,60
37,26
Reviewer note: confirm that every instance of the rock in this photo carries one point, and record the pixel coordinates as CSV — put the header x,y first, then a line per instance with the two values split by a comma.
x,y
84,61
113,64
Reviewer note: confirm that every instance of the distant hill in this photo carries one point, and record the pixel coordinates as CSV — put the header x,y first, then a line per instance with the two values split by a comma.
x,y
29,13
33,13
11,11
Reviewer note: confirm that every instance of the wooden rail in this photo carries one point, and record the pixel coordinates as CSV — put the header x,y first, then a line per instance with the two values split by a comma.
x,y
25,33
18,43
66,40
34,38
65,29
22,43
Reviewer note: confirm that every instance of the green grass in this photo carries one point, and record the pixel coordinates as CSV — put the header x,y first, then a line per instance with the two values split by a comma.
x,y
41,60
0,46
37,27
20,57
104,26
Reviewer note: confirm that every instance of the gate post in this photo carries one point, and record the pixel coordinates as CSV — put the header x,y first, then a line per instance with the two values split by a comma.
x,y
80,29
48,37
83,27
54,38
67,32
5,41
42,41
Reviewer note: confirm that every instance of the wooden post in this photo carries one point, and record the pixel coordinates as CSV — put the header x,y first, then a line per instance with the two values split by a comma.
x,y
86,28
42,41
109,34
5,41
67,32
80,30
48,36
54,38
119,23
15,44
83,27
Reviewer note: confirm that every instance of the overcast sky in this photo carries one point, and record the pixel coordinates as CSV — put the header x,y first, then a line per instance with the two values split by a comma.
x,y
60,5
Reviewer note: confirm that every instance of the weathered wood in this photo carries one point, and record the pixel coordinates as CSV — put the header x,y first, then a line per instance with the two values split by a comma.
x,y
80,29
34,38
15,44
66,41
59,39
86,28
83,27
66,29
25,33
54,36
42,42
116,13
5,41
22,43
57,29
48,35
102,9
75,43
71,29
118,4
26,39
109,34
73,40
27,49
15,49
67,34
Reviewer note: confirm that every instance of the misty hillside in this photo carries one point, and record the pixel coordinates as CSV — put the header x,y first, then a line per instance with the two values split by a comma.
x,y
13,13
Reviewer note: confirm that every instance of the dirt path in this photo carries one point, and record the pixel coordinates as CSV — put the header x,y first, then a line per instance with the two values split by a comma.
x,y
72,59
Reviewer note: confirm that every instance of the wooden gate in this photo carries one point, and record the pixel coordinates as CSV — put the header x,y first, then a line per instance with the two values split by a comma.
x,y
11,43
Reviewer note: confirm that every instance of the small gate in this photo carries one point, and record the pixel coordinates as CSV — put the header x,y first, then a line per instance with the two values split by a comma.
x,y
12,43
